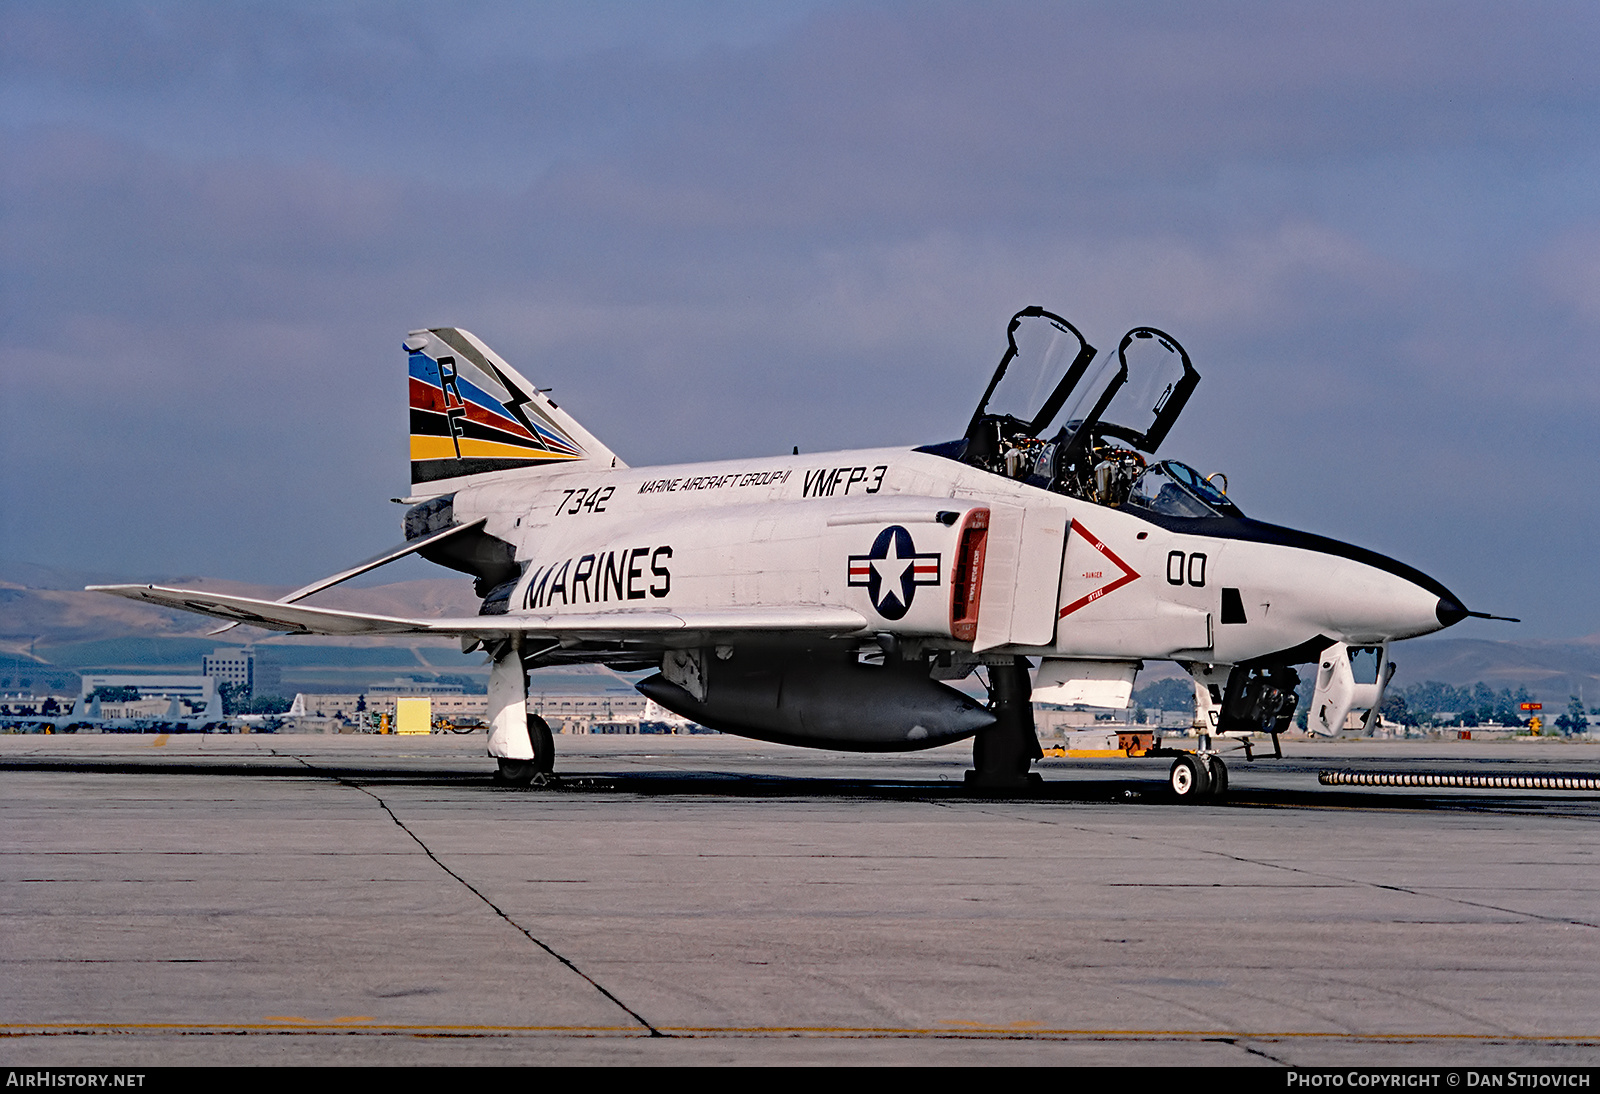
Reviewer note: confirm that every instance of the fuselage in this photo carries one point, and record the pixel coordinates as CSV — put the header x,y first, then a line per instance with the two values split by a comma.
x,y
890,534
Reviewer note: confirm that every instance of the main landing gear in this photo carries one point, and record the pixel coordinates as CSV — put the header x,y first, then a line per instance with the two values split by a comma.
x,y
521,743
1002,753
523,773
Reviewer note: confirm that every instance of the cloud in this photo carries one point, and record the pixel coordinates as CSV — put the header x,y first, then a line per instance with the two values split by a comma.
x,y
1569,270
719,233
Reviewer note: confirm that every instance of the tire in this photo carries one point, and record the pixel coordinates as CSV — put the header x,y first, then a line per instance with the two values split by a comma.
x,y
514,772
1189,779
1219,779
544,744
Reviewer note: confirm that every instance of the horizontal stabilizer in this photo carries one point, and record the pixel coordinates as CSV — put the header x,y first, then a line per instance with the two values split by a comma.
x,y
588,626
391,555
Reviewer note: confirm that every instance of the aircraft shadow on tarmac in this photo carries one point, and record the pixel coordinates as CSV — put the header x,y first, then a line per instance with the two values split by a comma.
x,y
1147,787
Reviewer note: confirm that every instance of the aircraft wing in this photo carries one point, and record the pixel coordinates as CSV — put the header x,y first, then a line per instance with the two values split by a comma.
x,y
621,623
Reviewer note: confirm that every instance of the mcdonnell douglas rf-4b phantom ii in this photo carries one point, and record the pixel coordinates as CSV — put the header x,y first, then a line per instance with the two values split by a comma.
x,y
826,600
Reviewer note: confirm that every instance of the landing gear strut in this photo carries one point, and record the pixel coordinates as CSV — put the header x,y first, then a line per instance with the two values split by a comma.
x,y
1002,754
522,745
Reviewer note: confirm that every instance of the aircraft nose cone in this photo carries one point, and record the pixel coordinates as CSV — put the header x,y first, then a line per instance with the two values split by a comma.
x,y
1449,612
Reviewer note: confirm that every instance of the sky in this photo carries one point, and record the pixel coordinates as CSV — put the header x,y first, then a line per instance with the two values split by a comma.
x,y
721,229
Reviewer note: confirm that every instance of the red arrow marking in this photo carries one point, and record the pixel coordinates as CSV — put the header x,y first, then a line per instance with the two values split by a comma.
x,y
1128,573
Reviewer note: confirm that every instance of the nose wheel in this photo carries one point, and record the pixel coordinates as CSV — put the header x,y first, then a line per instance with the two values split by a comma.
x,y
1195,777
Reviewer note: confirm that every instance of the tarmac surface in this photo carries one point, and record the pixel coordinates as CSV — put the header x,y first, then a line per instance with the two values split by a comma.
x,y
270,899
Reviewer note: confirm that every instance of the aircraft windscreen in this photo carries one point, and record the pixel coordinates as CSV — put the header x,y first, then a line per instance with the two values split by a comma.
x,y
1175,489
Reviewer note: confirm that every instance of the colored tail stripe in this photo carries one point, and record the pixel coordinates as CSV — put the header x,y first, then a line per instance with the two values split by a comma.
x,y
426,369
460,428
428,398
477,402
427,424
431,399
444,448
556,441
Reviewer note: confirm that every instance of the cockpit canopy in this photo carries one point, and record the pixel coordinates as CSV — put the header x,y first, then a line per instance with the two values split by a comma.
x,y
1175,489
1054,418
1044,361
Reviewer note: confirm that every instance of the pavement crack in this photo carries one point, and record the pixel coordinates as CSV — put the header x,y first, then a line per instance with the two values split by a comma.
x,y
529,935
1408,890
499,911
1252,1050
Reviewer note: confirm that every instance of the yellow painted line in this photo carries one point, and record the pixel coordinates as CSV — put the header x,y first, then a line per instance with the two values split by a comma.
x,y
161,739
1017,1030
954,1028
296,1025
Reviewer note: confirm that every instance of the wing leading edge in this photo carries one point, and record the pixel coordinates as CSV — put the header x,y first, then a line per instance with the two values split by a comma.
x,y
590,626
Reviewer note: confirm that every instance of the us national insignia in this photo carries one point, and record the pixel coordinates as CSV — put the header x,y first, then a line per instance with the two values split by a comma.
x,y
892,570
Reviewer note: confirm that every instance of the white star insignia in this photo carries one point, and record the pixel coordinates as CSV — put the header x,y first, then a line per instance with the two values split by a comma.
x,y
891,573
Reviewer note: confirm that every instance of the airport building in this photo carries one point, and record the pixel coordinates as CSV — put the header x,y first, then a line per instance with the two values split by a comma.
x,y
242,665
231,666
349,704
411,687
195,690
592,713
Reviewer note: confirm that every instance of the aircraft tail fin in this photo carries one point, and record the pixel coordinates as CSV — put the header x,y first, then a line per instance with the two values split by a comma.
x,y
474,415
297,709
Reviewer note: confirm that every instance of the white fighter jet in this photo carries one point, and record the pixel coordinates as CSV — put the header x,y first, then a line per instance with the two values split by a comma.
x,y
826,600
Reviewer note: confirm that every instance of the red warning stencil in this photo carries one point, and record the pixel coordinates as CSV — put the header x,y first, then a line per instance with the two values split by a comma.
x,y
1128,573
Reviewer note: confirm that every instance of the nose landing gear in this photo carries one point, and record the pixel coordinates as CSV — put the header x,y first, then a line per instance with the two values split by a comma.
x,y
1198,776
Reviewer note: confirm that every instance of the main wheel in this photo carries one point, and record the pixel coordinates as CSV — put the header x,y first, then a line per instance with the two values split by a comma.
x,y
1189,779
544,744
514,772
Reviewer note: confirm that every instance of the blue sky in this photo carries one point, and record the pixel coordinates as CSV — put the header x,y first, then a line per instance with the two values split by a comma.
x,y
723,229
